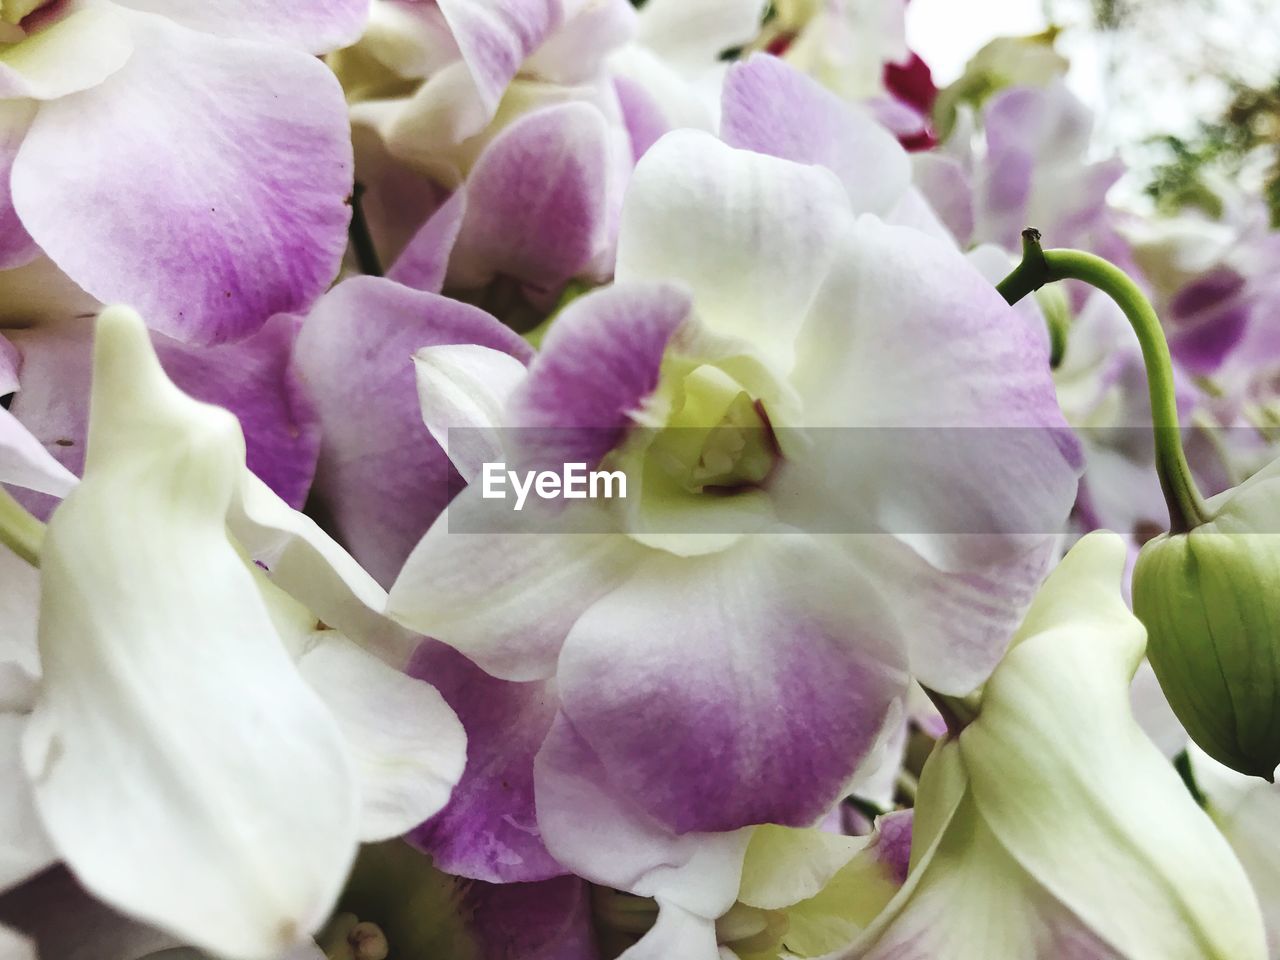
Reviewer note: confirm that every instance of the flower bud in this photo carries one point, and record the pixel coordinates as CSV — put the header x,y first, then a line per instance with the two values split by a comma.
x,y
1210,600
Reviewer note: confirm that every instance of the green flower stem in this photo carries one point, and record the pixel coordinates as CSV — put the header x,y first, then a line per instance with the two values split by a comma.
x,y
20,531
1187,508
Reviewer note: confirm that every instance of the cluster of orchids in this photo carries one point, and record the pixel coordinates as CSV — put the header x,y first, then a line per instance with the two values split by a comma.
x,y
928,607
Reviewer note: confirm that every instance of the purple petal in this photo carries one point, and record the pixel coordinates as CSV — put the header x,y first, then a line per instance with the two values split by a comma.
x,y
1036,167
254,379
381,476
424,261
313,26
251,378
694,680
772,108
397,200
644,119
496,36
945,184
891,843
601,360
550,920
596,828
537,207
1208,319
16,246
217,193
489,830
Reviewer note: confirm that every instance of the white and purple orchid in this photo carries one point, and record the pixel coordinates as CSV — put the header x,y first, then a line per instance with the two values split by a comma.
x,y
594,480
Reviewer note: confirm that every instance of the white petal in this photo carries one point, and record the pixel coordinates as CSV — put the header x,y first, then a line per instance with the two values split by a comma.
x,y
25,462
785,865
19,607
750,235
464,388
504,587
1079,796
24,848
183,768
310,565
407,744
76,53
694,33
678,933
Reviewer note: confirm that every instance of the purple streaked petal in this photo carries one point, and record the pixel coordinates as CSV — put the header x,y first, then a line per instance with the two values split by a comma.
x,y
641,113
252,379
489,830
255,380
599,363
945,184
695,678
381,477
424,261
595,828
771,107
891,843
1202,347
496,37
1036,167
397,202
313,26
218,193
16,246
537,207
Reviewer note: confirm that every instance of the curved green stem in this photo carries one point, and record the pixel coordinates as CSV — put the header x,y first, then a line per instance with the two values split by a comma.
x,y
1187,508
20,531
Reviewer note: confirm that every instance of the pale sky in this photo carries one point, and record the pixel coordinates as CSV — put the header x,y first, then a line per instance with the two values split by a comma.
x,y
1157,79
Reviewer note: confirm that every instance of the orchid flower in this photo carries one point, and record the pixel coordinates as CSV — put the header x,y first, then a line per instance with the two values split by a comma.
x,y
694,635
508,108
221,155
194,709
1054,797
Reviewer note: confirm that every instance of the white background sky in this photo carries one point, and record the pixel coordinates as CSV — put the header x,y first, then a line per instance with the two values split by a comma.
x,y
1157,77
